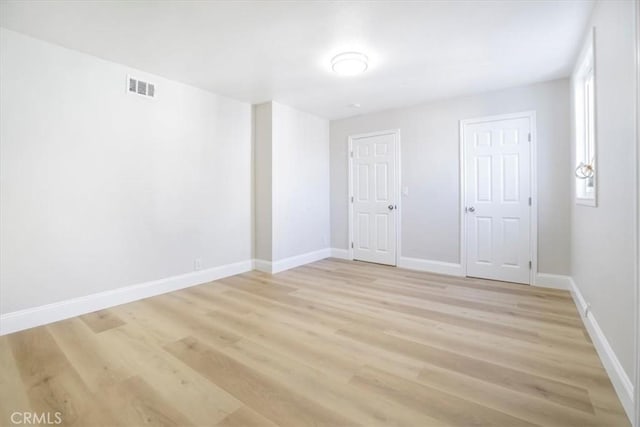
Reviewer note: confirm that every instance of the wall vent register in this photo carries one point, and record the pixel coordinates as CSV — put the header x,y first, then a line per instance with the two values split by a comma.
x,y
139,87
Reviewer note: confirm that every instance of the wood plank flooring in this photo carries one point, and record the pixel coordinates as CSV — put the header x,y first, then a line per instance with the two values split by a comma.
x,y
333,343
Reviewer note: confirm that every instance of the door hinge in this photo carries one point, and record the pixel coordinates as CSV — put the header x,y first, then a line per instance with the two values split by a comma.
x,y
529,137
351,154
529,201
529,265
351,199
351,245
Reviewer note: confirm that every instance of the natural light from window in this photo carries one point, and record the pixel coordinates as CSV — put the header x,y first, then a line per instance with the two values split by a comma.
x,y
584,82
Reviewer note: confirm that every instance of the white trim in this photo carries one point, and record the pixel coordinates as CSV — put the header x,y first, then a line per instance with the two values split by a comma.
x,y
533,251
592,203
552,281
298,260
586,59
621,382
398,177
274,267
439,267
339,253
262,265
636,421
49,313
462,190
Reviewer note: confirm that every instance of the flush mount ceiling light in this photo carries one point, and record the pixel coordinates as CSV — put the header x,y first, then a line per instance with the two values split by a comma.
x,y
350,63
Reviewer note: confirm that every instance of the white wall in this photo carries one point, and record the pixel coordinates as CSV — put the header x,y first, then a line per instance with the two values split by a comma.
x,y
101,189
263,137
429,151
300,182
292,188
603,238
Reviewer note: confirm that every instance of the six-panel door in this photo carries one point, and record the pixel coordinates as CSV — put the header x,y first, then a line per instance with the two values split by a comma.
x,y
497,195
374,198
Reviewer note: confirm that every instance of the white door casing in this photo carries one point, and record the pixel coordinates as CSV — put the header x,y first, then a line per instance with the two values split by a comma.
x,y
374,197
636,422
498,197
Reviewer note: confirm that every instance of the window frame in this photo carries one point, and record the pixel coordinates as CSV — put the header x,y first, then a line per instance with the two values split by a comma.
x,y
584,81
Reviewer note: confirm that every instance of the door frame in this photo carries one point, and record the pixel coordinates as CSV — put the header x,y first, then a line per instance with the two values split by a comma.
x,y
396,134
533,227
636,421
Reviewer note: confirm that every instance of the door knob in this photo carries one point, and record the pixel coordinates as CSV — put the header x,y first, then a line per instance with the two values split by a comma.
x,y
471,209
391,207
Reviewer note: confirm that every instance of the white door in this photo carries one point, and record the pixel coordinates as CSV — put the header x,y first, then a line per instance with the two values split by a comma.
x,y
498,198
374,197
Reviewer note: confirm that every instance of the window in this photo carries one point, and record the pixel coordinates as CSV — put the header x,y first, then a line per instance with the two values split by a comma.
x,y
584,87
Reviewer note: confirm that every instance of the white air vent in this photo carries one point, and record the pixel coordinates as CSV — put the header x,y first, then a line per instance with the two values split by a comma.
x,y
139,87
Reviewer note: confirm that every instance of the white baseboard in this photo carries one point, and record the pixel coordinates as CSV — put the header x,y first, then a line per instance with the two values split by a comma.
x,y
274,267
340,253
553,281
49,313
621,382
262,265
438,267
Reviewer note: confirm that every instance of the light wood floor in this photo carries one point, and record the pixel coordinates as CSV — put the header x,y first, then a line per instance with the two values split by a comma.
x,y
333,343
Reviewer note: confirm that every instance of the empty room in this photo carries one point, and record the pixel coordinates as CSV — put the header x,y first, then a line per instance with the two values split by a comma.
x,y
319,213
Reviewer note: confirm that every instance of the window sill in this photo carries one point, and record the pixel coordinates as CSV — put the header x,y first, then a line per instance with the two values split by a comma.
x,y
586,202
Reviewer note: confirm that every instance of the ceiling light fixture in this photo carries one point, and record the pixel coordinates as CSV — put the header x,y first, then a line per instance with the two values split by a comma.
x,y
350,63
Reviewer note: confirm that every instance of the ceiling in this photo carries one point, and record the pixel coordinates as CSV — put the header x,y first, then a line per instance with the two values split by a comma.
x,y
257,51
